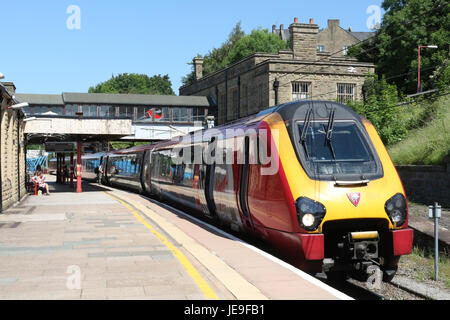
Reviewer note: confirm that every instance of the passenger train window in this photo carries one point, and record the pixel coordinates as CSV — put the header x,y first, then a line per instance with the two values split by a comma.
x,y
345,152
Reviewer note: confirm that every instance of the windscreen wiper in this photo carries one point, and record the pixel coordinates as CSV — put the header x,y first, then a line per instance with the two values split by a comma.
x,y
329,132
305,130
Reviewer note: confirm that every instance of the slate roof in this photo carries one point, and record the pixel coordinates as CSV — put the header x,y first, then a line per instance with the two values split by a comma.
x,y
113,99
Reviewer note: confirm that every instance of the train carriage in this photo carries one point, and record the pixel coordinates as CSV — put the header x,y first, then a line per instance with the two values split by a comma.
x,y
310,177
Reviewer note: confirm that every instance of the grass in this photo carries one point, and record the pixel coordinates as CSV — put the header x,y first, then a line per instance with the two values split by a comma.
x,y
421,263
430,142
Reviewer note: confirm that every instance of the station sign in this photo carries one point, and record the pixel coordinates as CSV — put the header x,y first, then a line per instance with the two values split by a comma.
x,y
59,146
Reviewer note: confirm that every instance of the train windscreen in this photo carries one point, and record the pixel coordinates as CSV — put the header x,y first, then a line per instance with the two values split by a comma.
x,y
337,150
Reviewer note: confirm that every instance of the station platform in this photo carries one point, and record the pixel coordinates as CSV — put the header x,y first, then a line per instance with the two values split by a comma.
x,y
107,243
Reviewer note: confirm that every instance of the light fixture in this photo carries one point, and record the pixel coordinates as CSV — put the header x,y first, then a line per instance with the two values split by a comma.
x,y
2,76
19,105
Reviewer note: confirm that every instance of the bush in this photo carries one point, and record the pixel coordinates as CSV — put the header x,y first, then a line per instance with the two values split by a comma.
x,y
380,107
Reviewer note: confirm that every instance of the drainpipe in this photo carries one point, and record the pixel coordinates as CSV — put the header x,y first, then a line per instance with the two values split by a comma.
x,y
276,84
239,98
18,155
226,96
1,181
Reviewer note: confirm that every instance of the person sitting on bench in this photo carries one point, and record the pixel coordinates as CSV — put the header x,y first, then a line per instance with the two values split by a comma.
x,y
42,184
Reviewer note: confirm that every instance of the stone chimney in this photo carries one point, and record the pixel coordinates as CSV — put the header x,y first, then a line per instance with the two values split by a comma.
x,y
333,23
304,39
198,67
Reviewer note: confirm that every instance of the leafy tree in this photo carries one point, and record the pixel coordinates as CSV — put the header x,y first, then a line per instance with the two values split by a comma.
x,y
134,83
258,41
406,25
236,47
216,58
380,107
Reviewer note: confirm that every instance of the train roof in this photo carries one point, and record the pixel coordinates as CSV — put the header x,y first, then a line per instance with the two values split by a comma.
x,y
135,149
296,110
320,110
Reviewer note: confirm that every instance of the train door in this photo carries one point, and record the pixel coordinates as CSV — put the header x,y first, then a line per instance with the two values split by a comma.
x,y
105,176
206,188
243,186
209,189
146,172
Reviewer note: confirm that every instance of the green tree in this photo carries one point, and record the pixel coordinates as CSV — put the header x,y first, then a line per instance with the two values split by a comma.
x,y
258,41
134,83
406,25
236,47
216,58
380,107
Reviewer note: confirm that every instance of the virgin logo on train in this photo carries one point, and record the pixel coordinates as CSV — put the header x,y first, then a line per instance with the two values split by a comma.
x,y
354,197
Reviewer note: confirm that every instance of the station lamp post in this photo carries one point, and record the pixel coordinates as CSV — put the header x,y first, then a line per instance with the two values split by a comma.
x,y
79,190
419,89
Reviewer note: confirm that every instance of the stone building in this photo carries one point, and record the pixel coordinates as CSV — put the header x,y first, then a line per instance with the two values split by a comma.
x,y
12,149
333,39
262,80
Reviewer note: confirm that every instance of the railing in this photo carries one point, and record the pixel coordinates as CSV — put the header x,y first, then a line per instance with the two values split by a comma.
x,y
33,163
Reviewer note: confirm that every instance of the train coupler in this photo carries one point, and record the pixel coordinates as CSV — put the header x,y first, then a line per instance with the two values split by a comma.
x,y
363,245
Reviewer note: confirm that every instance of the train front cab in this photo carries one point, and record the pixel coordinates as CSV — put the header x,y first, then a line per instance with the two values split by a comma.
x,y
349,205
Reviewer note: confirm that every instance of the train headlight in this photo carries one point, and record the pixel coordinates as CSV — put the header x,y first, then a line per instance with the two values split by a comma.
x,y
395,207
310,213
308,220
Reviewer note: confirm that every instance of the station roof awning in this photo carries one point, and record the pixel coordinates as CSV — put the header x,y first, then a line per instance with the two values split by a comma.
x,y
114,99
45,129
41,99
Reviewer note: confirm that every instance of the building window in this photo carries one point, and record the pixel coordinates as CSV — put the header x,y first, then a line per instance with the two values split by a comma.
x,y
141,114
320,48
234,103
126,112
179,115
222,108
107,112
345,92
70,109
40,109
197,114
244,99
301,90
89,111
260,96
159,114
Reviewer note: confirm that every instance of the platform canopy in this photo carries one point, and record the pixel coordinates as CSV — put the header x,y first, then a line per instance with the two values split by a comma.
x,y
46,129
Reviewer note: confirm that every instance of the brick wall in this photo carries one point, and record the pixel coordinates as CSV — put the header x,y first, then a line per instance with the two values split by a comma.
x,y
426,184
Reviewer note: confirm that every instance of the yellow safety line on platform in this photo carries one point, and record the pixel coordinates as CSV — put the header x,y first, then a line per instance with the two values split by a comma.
x,y
201,283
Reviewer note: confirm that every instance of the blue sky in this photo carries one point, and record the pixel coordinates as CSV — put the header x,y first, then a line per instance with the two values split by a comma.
x,y
40,54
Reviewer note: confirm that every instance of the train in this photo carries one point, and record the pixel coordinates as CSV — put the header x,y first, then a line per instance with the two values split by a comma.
x,y
311,178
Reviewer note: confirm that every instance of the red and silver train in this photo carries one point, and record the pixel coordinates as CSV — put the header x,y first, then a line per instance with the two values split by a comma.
x,y
312,178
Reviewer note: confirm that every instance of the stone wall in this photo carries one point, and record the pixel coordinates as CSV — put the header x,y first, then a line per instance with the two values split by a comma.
x,y
426,184
12,141
334,38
